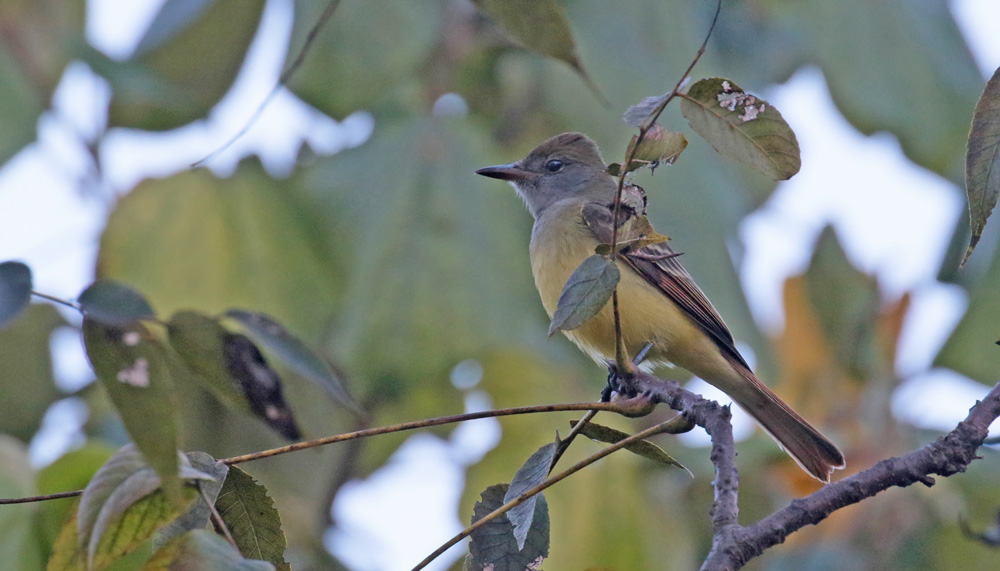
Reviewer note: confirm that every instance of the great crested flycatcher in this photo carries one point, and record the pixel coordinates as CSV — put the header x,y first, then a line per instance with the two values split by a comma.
x,y
566,188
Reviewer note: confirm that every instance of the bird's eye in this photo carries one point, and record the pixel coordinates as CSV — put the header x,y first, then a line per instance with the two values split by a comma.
x,y
554,165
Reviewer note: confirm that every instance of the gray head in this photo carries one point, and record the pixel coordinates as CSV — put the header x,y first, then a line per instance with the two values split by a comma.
x,y
565,166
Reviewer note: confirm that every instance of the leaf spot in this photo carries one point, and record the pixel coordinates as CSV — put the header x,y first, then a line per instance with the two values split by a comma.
x,y
137,375
131,338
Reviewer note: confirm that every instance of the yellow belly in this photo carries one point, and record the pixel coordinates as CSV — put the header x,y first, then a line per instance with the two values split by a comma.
x,y
559,243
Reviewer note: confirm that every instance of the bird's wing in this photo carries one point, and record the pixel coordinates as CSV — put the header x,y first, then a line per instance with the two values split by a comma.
x,y
658,265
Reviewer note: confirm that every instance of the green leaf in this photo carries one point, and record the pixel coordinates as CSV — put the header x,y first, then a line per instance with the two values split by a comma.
x,y
251,241
26,379
982,162
742,127
539,25
119,509
586,292
296,354
15,290
532,473
183,68
133,368
494,546
72,471
18,533
202,550
847,303
112,303
370,67
249,514
40,38
67,555
198,340
644,448
198,515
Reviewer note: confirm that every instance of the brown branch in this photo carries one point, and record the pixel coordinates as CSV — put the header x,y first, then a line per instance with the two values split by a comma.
x,y
734,545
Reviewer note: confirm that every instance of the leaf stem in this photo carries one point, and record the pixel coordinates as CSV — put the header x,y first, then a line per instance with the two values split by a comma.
x,y
676,423
57,300
217,521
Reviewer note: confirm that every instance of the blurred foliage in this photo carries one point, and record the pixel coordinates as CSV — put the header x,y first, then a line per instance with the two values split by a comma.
x,y
399,263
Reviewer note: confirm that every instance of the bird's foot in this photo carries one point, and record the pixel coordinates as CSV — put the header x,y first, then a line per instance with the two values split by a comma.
x,y
619,383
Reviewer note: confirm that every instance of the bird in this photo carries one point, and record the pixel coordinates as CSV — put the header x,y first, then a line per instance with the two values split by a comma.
x,y
565,186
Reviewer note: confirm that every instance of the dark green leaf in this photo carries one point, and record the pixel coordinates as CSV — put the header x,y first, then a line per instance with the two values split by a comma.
x,y
132,367
202,550
539,25
293,352
198,340
260,383
249,514
15,290
532,473
742,127
643,448
494,547
982,163
586,292
113,303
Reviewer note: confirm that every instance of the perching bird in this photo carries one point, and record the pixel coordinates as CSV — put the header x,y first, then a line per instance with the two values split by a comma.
x,y
566,188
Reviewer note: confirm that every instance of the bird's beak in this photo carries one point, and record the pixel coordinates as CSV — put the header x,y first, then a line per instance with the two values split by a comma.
x,y
510,172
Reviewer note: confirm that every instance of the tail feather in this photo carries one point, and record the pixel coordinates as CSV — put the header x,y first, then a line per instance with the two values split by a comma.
x,y
806,445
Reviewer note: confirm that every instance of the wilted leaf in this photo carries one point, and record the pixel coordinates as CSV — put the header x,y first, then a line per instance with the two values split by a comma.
x,y
113,303
586,292
742,127
293,352
982,163
15,290
494,547
659,145
532,473
643,448
249,514
638,113
539,25
202,550
198,339
133,369
260,383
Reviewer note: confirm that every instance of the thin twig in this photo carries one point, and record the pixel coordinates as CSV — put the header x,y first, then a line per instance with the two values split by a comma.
x,y
647,124
56,300
30,499
629,407
217,521
668,426
282,81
